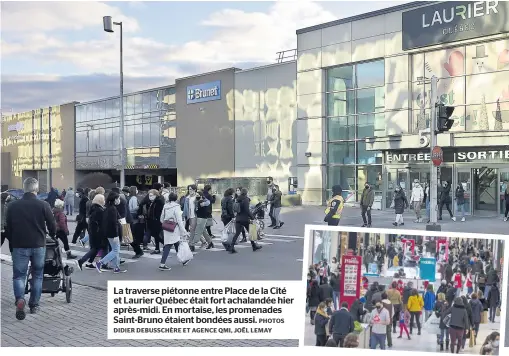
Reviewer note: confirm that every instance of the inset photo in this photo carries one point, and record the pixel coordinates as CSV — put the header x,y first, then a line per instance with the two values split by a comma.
x,y
404,290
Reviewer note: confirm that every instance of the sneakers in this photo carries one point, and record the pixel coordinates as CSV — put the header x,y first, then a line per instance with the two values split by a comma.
x,y
164,268
155,252
395,223
122,261
118,270
70,256
453,218
20,309
256,248
89,266
106,268
82,244
185,263
281,223
80,265
463,219
138,255
211,245
145,248
98,267
364,225
34,310
505,219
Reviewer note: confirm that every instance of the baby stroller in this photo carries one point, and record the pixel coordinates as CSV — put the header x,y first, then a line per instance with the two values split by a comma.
x,y
258,212
56,275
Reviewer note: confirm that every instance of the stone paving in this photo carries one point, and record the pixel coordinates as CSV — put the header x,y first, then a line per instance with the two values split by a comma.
x,y
82,323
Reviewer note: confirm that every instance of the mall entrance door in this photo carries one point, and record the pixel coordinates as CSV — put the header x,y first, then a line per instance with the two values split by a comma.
x,y
504,183
482,190
405,177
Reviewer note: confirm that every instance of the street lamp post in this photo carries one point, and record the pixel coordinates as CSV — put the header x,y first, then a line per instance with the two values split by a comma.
x,y
108,27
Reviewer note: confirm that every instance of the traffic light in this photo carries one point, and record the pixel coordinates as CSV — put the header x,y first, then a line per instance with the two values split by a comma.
x,y
444,122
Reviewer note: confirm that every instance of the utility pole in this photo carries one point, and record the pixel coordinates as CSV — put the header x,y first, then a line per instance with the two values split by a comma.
x,y
433,189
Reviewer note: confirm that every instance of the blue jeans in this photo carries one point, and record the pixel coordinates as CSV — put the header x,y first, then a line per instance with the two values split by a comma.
x,y
444,333
114,255
461,209
85,239
335,298
470,290
20,259
377,339
486,291
69,208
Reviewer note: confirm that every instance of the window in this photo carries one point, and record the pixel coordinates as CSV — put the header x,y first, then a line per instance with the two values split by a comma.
x,y
129,136
342,175
146,135
341,152
370,74
365,126
340,78
365,157
116,108
341,128
155,134
371,175
340,104
89,111
138,102
128,105
146,102
154,100
99,110
138,134
370,100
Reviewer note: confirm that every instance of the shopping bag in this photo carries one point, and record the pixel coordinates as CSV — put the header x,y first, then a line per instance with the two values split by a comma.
x,y
184,253
210,222
253,234
127,235
497,312
471,339
484,317
228,233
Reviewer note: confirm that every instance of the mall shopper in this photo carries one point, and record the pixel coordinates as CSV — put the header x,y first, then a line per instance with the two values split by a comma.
x,y
27,221
477,309
441,306
458,282
275,204
506,199
242,220
493,300
460,201
404,322
6,199
429,302
341,324
334,207
171,218
416,200
415,305
394,296
203,211
399,203
227,213
81,218
189,212
112,231
137,222
334,283
95,231
62,228
367,199
313,298
458,324
212,199
154,207
52,197
357,310
445,199
326,291
390,308
379,321
321,321
69,201
491,346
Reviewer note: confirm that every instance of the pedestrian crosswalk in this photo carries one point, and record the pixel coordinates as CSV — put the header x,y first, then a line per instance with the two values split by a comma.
x,y
127,254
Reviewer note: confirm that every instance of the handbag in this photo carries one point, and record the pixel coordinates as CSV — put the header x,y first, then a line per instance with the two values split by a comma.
x,y
210,222
253,233
127,235
497,312
169,225
471,340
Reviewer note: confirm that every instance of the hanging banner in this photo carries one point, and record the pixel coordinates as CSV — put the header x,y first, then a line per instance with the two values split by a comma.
x,y
443,250
350,278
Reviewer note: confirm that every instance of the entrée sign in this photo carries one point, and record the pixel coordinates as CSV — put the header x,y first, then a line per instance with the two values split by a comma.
x,y
460,156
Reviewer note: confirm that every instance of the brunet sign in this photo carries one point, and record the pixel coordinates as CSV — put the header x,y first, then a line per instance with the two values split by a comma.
x,y
452,21
460,156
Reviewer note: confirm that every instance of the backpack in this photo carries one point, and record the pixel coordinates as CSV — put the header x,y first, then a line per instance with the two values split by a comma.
x,y
236,207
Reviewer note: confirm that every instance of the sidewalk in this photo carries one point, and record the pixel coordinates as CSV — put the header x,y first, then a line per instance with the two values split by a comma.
x,y
82,323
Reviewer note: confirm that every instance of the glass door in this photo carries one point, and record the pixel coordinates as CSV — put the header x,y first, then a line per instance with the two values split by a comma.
x,y
504,184
395,177
485,191
464,178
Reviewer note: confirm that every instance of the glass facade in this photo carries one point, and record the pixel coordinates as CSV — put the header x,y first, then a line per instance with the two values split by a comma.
x,y
149,131
472,78
355,110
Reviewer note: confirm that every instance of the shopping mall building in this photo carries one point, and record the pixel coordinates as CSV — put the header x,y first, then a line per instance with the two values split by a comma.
x,y
352,108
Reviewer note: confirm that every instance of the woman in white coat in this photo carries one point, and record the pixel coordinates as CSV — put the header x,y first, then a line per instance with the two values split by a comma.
x,y
172,213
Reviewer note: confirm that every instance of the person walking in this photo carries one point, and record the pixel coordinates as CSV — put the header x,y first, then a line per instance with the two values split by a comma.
x,y
469,281
81,218
212,199
52,197
313,298
334,283
242,220
493,300
458,282
506,199
95,231
334,207
202,217
276,205
27,222
171,218
445,199
270,192
6,198
477,309
137,223
379,320
227,213
415,305
326,290
69,201
416,200
404,322
112,231
389,307
458,324
441,307
427,200
357,310
394,296
367,199
321,320
429,302
460,201
399,204
62,228
154,209
341,324
491,344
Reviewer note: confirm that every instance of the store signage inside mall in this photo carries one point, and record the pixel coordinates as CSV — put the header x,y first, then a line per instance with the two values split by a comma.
x,y
450,21
18,126
204,92
421,157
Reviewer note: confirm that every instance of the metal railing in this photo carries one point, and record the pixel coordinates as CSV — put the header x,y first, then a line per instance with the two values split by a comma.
x,y
286,55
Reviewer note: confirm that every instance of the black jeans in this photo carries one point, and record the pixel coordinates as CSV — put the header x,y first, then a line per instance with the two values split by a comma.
x,y
80,228
339,339
90,255
364,211
138,231
441,207
395,318
271,215
321,340
239,228
63,237
166,251
492,313
415,315
506,209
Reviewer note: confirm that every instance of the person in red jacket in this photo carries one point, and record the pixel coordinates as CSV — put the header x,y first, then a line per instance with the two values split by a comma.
x,y
458,282
469,281
62,228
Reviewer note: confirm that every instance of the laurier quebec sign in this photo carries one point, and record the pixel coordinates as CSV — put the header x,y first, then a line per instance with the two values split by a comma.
x,y
451,21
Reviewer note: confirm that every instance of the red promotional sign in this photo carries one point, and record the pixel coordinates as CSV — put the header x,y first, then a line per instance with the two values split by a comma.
x,y
443,249
437,156
350,279
408,245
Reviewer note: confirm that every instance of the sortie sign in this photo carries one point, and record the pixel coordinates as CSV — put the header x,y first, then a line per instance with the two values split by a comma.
x,y
437,156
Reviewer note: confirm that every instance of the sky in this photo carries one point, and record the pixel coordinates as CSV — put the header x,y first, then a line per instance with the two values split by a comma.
x,y
57,52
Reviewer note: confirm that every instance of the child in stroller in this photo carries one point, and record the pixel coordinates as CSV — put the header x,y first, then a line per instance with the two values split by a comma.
x,y
258,212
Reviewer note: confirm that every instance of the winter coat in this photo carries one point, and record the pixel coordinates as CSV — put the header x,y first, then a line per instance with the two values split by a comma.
x,y
406,294
492,278
445,194
245,214
212,199
313,295
341,322
440,308
95,226
415,303
275,199
450,295
69,197
171,212
477,309
394,296
460,195
111,225
61,220
417,194
400,202
357,310
493,297
325,292
368,197
155,208
369,297
429,300
459,317
320,324
52,197
227,212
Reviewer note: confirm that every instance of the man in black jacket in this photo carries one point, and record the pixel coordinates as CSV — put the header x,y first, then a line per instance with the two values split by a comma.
x,y
212,199
28,220
81,219
341,324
